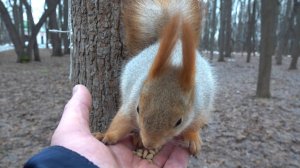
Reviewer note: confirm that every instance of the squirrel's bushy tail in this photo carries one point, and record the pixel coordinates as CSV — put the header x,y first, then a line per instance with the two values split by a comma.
x,y
144,19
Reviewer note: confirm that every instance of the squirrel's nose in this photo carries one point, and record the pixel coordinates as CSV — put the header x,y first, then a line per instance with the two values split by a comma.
x,y
148,144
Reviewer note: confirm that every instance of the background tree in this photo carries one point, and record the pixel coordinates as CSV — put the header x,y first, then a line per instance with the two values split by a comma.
x,y
283,35
269,13
30,23
23,51
65,38
53,24
98,55
4,38
222,31
251,29
213,27
296,35
228,28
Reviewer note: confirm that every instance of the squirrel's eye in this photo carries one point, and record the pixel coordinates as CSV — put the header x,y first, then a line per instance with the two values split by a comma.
x,y
138,109
178,122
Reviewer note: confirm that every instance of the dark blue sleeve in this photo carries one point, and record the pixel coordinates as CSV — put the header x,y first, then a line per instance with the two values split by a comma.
x,y
58,157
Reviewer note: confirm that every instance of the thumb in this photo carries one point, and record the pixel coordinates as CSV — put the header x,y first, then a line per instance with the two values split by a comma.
x,y
76,113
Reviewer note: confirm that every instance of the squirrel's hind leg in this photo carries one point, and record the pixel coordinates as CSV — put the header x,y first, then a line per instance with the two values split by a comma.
x,y
120,126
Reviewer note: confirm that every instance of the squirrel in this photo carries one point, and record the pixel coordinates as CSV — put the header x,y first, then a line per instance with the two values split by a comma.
x,y
167,89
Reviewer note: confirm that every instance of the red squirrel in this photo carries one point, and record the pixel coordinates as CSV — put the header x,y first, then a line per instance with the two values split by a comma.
x,y
167,88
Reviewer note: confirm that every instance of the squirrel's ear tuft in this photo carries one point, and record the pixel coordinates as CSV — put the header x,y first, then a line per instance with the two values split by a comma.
x,y
168,40
187,73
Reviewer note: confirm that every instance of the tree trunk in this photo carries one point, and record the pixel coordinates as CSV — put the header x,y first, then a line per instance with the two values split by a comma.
x,y
65,27
55,39
36,52
30,20
283,33
213,32
21,19
241,29
205,39
269,12
222,32
251,27
296,37
98,55
228,28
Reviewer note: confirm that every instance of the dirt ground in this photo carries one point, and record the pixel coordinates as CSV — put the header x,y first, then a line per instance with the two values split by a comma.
x,y
244,132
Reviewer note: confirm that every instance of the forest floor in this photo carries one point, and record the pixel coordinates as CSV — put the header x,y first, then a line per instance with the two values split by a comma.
x,y
244,132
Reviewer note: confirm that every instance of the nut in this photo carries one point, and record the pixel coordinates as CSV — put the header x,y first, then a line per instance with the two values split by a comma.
x,y
145,153
150,156
152,152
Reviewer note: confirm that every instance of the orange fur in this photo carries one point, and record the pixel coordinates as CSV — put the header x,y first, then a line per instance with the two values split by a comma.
x,y
133,40
187,74
193,139
121,125
136,39
167,43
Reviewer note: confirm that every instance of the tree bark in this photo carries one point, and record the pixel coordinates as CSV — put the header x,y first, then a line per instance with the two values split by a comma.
x,y
269,12
97,56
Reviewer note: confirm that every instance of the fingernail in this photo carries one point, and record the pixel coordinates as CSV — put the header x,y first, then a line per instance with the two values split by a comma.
x,y
75,89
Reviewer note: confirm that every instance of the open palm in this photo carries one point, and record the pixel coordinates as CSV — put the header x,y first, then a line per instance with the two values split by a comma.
x,y
73,133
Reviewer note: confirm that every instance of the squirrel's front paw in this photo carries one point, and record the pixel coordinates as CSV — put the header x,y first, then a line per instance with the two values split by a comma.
x,y
106,138
193,141
110,138
98,135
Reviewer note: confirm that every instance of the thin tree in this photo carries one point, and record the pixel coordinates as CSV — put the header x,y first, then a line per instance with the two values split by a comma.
x,y
241,28
207,26
222,31
53,24
228,28
283,35
213,27
269,12
251,29
66,41
296,37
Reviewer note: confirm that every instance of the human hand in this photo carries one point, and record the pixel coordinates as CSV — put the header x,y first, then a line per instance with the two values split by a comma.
x,y
73,133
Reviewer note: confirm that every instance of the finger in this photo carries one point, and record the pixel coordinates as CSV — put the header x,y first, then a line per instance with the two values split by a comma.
x,y
178,159
76,113
127,142
164,154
